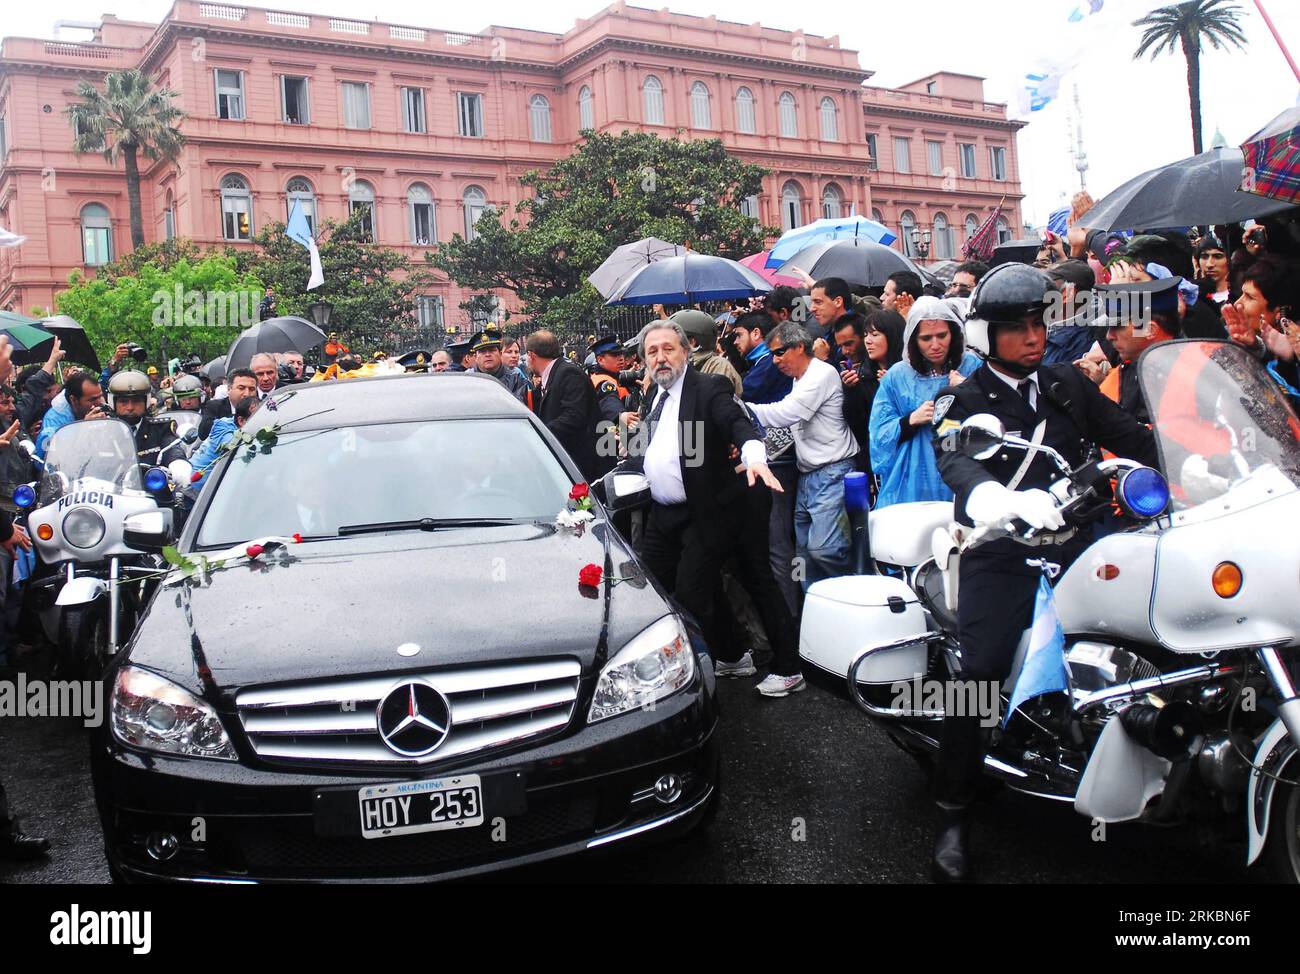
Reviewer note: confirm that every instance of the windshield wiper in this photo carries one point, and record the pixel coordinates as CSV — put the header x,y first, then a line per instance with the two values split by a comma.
x,y
426,524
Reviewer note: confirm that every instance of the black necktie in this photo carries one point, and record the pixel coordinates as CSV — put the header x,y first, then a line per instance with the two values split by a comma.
x,y
653,421
1026,392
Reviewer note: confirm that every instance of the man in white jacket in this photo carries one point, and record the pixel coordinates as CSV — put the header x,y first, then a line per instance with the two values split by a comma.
x,y
814,409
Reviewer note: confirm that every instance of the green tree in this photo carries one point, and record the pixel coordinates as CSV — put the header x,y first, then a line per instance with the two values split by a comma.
x,y
372,288
613,190
137,301
1190,25
127,118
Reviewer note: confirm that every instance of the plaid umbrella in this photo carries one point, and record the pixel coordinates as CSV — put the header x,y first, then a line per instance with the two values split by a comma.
x,y
983,241
1272,159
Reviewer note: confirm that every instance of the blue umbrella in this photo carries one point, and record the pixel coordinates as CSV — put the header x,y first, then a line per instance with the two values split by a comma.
x,y
821,231
688,279
1059,221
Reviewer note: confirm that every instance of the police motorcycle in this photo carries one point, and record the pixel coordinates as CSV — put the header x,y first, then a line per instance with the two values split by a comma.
x,y
94,503
1182,630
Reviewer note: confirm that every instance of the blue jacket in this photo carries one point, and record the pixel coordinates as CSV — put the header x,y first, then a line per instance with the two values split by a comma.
x,y
222,431
56,417
764,382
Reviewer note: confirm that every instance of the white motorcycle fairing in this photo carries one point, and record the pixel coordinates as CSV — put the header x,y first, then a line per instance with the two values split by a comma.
x,y
1122,776
81,590
1274,754
900,533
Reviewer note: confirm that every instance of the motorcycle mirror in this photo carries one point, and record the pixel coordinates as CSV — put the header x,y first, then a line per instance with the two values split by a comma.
x,y
28,447
981,436
180,472
191,435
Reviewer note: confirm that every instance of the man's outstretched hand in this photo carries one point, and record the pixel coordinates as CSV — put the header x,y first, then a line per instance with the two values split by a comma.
x,y
760,471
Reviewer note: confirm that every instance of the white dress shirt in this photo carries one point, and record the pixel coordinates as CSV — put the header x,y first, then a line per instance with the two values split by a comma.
x,y
1014,383
662,464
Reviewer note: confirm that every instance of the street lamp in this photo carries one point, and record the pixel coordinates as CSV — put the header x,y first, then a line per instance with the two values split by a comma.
x,y
921,242
320,312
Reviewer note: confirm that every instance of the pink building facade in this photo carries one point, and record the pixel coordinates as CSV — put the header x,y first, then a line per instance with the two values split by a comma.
x,y
426,130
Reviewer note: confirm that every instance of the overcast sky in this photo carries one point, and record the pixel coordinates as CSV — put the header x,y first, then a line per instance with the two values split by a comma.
x,y
1135,114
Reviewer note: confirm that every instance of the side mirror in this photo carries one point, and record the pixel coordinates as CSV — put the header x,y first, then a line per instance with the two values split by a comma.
x,y
191,435
150,531
981,436
625,491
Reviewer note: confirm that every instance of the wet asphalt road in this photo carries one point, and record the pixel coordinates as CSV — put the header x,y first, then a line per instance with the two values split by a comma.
x,y
809,758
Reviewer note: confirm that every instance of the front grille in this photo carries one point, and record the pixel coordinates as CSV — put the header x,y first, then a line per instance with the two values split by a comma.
x,y
335,720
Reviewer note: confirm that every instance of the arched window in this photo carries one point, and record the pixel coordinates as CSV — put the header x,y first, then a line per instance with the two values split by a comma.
x,y
701,116
830,120
419,208
96,235
475,205
877,216
791,206
832,202
746,121
789,115
972,226
299,191
1004,230
586,109
236,209
654,101
169,217
943,246
539,118
361,199
906,223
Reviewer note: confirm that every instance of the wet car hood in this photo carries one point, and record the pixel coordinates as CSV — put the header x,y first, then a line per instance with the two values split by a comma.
x,y
343,607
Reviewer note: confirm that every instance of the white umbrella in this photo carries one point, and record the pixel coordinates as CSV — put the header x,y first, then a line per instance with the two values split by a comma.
x,y
628,259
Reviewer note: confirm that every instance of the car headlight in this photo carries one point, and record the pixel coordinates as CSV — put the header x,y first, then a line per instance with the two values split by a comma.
x,y
656,663
83,527
150,712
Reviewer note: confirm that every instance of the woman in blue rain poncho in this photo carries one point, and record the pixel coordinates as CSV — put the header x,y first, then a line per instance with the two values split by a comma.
x,y
902,454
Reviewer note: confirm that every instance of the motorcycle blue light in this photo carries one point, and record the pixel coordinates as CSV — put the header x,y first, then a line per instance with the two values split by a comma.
x,y
1144,492
24,496
155,479
855,492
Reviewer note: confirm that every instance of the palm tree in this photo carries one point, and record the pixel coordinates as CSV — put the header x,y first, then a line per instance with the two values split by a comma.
x,y
1190,25
128,117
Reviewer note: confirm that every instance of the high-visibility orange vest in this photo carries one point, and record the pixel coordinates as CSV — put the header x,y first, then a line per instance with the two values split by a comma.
x,y
598,377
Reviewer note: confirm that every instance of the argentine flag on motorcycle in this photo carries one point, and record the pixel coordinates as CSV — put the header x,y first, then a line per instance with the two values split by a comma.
x,y
1042,669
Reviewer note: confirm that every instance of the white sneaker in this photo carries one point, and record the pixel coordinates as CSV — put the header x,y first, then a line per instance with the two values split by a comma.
x,y
741,667
781,686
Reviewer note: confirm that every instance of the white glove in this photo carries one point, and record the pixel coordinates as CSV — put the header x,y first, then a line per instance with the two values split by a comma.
x,y
1198,483
992,503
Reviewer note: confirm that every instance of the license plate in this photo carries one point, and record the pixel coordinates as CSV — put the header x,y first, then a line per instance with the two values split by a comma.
x,y
421,806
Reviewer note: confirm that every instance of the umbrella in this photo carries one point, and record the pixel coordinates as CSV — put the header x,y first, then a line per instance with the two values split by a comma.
x,y
628,259
216,369
285,334
824,230
1016,251
72,337
25,334
1197,191
944,271
758,264
1272,159
859,262
688,279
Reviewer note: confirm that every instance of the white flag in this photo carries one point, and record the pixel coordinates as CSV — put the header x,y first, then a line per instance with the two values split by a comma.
x,y
299,231
8,239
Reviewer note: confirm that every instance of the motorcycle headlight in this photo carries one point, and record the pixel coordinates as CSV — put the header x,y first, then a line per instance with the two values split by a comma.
x,y
83,527
150,712
656,663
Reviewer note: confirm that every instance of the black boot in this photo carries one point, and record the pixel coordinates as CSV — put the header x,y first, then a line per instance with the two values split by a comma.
x,y
952,862
16,845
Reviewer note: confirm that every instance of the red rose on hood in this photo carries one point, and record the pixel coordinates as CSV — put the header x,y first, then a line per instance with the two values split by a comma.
x,y
254,550
578,492
590,575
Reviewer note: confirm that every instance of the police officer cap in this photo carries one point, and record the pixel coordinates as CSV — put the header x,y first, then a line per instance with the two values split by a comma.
x,y
605,344
129,382
1125,302
416,361
697,325
487,338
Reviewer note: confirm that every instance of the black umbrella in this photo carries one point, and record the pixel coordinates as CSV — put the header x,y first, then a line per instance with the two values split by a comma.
x,y
72,338
216,369
1016,251
858,261
1197,191
286,334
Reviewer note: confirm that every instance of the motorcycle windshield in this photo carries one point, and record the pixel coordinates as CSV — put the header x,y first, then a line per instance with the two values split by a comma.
x,y
1219,417
103,449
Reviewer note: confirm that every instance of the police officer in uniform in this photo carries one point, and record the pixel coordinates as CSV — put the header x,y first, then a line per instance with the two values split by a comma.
x,y
187,393
155,439
612,397
417,361
1056,406
486,345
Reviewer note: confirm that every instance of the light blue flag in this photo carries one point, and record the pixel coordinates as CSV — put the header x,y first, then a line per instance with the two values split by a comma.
x,y
1043,668
299,231
1058,222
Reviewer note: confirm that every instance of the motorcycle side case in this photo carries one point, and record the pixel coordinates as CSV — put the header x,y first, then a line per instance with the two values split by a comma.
x,y
900,533
842,616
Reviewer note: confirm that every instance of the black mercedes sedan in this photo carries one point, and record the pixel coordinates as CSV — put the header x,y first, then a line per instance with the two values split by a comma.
x,y
375,661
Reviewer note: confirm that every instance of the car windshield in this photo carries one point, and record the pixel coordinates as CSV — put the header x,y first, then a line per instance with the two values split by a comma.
x,y
102,449
1220,417
321,483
